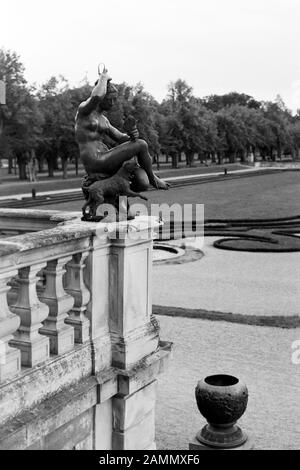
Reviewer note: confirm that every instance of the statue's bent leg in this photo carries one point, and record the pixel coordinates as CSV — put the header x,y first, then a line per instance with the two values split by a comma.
x,y
112,160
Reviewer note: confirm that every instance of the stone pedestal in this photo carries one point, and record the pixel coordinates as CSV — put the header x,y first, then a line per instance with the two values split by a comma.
x,y
196,445
134,334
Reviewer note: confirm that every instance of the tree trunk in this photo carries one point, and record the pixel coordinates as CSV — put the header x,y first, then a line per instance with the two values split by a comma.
x,y
76,165
41,162
245,156
279,151
187,158
232,157
22,169
174,160
263,154
55,161
10,164
64,162
272,155
293,153
190,158
50,167
256,154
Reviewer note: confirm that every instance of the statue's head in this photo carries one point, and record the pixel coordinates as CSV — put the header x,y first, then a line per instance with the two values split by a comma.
x,y
130,168
110,97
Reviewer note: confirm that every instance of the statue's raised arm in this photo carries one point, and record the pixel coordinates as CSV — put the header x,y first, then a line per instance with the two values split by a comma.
x,y
97,94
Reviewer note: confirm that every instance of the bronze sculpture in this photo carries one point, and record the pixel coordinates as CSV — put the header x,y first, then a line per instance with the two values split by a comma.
x,y
91,128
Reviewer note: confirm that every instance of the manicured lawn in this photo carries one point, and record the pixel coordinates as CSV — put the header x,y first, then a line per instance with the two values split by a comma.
x,y
261,196
10,184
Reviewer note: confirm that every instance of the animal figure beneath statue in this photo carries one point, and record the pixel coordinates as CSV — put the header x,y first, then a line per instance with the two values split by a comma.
x,y
109,190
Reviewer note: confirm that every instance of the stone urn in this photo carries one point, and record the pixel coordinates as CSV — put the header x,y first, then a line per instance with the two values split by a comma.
x,y
222,400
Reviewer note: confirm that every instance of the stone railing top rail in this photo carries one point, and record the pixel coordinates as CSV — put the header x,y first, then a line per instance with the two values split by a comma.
x,y
31,220
70,229
51,215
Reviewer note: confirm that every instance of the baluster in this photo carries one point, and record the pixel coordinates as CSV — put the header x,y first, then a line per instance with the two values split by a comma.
x,y
12,294
10,358
75,286
34,347
59,302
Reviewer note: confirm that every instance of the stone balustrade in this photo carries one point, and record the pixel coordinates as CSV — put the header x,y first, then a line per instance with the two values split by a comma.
x,y
79,347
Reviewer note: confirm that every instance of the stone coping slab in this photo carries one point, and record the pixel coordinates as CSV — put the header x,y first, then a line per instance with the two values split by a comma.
x,y
70,228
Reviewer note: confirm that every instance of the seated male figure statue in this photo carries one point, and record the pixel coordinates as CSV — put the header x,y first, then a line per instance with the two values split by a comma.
x,y
91,128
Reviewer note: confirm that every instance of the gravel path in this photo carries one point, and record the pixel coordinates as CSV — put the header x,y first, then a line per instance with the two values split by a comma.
x,y
231,281
260,356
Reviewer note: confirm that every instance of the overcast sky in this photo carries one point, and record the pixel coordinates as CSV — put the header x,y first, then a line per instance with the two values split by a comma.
x,y
217,46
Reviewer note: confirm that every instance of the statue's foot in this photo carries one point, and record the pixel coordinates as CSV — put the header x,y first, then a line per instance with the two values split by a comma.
x,y
92,218
87,217
160,184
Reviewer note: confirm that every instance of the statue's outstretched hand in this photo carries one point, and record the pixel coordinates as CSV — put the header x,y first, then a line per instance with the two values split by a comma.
x,y
104,75
101,85
134,134
130,128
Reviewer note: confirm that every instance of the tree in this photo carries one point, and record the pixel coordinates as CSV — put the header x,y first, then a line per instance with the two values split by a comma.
x,y
176,137
145,108
217,102
230,125
279,118
58,104
22,119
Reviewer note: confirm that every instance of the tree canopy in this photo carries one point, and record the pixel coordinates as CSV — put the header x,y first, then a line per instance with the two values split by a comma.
x,y
233,125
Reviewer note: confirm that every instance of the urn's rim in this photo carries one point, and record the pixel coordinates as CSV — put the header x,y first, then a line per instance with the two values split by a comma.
x,y
221,380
